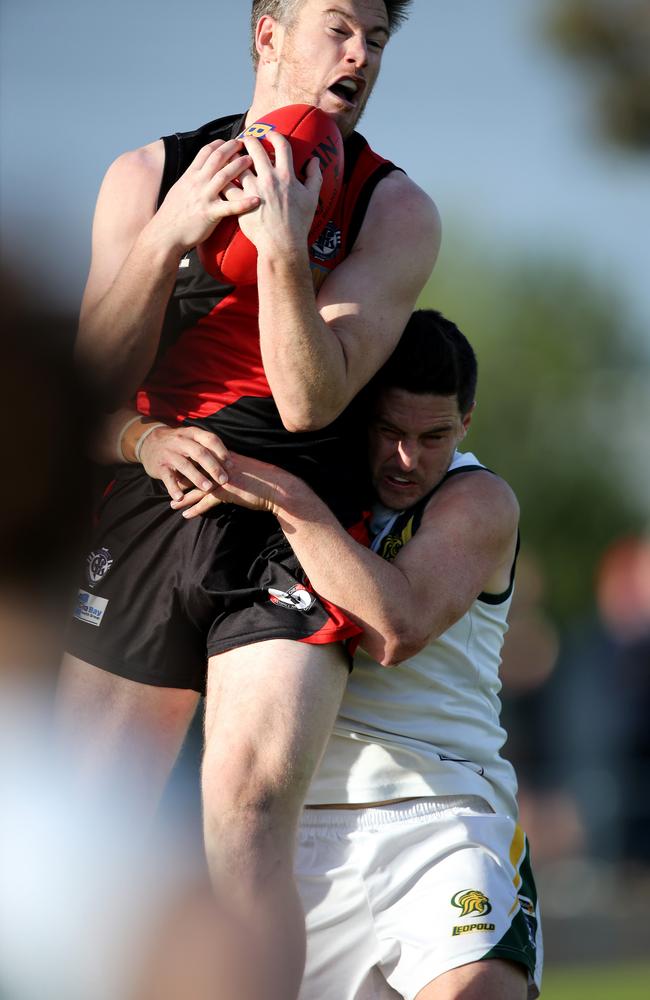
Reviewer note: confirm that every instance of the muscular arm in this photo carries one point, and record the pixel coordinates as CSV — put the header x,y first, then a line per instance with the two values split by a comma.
x,y
464,545
136,250
318,352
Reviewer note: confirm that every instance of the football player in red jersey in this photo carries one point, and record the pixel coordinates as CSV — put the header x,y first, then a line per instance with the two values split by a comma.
x,y
143,632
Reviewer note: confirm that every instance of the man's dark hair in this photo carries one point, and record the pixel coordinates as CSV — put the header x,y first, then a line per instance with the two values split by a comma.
x,y
285,10
432,357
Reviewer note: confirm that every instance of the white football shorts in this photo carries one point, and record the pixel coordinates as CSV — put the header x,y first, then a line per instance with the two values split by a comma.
x,y
396,895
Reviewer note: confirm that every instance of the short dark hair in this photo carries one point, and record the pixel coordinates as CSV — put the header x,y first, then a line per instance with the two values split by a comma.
x,y
432,357
284,11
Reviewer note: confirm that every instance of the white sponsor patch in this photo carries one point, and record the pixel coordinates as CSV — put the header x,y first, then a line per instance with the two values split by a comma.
x,y
90,608
298,598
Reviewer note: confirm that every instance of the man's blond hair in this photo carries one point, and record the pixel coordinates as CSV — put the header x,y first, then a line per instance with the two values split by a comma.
x,y
285,11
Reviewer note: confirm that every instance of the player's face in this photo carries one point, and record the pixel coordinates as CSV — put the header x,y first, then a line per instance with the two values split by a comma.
x,y
412,442
330,57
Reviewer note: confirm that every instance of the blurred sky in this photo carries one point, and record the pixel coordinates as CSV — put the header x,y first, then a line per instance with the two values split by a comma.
x,y
472,102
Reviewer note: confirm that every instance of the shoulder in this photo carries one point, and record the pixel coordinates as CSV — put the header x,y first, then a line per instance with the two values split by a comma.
x,y
400,196
132,183
476,497
402,210
399,184
145,163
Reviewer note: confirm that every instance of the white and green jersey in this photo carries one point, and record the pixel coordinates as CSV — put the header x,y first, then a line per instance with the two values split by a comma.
x,y
430,725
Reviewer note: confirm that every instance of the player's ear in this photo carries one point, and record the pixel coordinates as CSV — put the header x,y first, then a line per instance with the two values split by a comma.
x,y
267,38
467,419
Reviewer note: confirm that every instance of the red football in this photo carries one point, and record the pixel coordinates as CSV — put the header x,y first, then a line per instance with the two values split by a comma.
x,y
230,256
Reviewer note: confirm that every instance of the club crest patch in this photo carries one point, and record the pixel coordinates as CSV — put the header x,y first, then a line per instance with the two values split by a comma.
x,y
328,243
298,598
470,901
98,564
391,546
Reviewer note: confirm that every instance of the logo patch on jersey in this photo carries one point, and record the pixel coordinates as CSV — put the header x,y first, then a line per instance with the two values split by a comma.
x,y
90,608
393,543
258,130
328,243
298,598
390,547
471,901
98,564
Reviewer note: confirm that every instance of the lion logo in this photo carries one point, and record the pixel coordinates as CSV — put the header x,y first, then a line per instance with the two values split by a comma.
x,y
392,545
470,901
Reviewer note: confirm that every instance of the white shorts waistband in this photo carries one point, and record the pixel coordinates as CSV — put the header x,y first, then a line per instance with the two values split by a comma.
x,y
367,817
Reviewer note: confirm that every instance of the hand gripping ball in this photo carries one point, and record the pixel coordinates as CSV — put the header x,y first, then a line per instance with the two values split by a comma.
x,y
230,256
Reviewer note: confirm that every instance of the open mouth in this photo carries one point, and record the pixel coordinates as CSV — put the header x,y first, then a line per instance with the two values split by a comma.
x,y
347,89
399,481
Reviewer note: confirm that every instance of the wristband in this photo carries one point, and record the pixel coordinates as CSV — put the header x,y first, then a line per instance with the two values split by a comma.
x,y
120,437
143,437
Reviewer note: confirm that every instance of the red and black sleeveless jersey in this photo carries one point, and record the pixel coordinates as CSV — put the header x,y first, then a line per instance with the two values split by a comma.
x,y
209,367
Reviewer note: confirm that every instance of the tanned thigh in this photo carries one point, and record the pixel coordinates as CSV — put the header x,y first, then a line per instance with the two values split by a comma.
x,y
490,979
120,734
270,709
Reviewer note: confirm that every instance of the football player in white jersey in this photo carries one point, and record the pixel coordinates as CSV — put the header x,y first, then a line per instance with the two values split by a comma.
x,y
413,870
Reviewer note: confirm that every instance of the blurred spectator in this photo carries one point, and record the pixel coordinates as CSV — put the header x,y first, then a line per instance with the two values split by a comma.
x,y
593,714
81,888
623,595
44,502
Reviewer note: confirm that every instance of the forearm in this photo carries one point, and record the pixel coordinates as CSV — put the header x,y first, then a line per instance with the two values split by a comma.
x,y
118,435
119,334
303,360
372,591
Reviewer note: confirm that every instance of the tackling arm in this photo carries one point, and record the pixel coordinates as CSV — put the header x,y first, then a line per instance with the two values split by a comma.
x,y
464,545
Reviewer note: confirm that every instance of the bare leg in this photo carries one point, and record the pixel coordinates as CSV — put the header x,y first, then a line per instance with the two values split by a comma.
x,y
491,979
121,737
270,709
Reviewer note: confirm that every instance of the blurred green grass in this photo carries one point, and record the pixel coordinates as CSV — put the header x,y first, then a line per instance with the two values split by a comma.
x,y
629,981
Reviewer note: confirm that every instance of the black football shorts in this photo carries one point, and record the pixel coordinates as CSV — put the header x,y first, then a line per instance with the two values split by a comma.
x,y
161,594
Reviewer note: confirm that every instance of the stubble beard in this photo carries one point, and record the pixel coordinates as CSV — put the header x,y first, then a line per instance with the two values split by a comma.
x,y
297,93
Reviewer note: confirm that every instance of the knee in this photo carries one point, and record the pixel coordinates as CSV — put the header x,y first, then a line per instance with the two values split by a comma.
x,y
246,801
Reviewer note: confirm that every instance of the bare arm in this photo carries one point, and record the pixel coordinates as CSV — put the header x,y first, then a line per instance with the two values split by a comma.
x,y
464,545
136,250
182,457
318,353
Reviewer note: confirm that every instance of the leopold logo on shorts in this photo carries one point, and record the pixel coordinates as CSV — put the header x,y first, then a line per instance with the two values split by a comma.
x,y
471,901
298,598
98,564
469,928
90,608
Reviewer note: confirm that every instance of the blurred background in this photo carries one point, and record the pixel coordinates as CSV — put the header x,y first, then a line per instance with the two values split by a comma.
x,y
528,121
